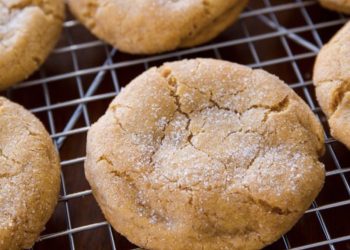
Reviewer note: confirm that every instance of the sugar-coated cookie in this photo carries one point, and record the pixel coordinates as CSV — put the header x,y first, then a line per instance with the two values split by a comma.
x,y
205,154
29,30
332,80
154,26
29,177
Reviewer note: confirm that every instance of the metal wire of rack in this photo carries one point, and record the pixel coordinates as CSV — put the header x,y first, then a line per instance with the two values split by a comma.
x,y
83,74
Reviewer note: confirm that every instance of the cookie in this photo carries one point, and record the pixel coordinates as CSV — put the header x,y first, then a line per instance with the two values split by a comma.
x,y
29,177
332,80
337,5
205,154
154,26
28,32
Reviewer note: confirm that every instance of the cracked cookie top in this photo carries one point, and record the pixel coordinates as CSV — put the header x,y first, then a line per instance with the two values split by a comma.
x,y
205,154
29,177
29,30
332,80
154,26
337,5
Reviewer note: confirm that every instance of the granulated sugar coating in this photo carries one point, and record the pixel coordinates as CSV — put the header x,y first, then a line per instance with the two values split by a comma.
x,y
205,154
29,177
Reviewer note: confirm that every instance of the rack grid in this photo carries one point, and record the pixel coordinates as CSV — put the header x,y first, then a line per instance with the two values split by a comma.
x,y
83,74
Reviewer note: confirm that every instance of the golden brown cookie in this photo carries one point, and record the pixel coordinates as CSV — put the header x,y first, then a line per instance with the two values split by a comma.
x,y
332,80
29,177
205,154
29,30
337,5
154,26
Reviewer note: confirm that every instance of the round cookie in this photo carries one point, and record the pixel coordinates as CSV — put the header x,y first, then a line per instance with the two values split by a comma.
x,y
28,32
154,26
205,154
332,80
29,177
337,5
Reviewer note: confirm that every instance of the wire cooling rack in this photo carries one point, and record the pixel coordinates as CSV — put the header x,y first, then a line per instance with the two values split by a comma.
x,y
83,74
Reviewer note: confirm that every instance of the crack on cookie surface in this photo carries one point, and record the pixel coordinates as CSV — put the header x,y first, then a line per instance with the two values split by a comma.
x,y
269,207
339,94
90,9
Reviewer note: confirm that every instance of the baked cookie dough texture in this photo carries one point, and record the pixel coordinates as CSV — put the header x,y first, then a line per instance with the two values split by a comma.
x,y
29,177
205,154
337,5
154,26
332,80
29,30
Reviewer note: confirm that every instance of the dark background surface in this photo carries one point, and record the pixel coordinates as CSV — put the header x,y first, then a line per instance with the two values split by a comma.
x,y
56,90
